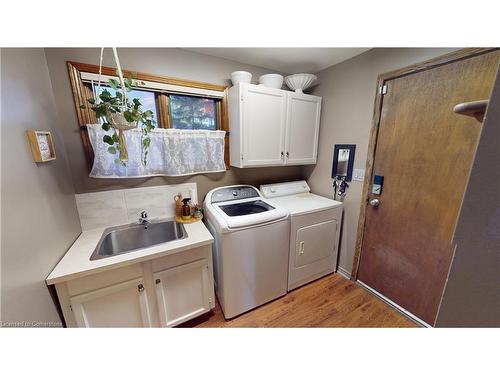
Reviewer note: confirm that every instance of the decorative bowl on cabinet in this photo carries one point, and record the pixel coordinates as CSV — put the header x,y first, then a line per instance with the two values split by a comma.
x,y
241,76
300,81
274,81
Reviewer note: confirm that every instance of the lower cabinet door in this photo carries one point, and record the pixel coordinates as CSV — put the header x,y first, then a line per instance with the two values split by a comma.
x,y
120,305
183,292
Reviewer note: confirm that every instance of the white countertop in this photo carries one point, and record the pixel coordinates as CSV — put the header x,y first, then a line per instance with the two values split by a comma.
x,y
76,262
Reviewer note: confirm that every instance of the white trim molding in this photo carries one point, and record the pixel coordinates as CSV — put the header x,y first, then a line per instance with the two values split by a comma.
x,y
395,305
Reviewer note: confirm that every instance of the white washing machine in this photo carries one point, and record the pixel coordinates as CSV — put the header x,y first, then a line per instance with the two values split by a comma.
x,y
314,230
250,248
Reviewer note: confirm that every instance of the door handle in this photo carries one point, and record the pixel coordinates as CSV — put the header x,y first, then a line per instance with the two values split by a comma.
x,y
301,247
375,202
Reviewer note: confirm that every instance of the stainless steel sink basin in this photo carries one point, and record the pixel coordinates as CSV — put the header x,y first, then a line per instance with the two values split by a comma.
x,y
132,237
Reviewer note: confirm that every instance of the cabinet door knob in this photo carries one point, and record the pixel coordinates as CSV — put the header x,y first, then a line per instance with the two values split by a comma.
x,y
140,287
282,154
287,154
157,281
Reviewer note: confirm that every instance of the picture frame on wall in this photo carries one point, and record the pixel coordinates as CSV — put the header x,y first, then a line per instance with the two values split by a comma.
x,y
42,146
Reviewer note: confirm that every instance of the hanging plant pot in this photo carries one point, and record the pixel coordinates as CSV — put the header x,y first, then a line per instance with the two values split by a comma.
x,y
121,114
118,121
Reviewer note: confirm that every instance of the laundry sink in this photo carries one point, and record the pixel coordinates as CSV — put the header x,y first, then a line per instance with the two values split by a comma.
x,y
132,237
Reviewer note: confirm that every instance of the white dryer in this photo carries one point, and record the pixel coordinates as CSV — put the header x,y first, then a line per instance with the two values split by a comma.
x,y
314,230
250,248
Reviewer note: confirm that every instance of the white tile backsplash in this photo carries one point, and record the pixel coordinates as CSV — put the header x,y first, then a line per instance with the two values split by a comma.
x,y
116,207
100,209
154,201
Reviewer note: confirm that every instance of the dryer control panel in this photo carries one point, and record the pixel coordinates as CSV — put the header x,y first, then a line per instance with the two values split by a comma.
x,y
284,188
233,193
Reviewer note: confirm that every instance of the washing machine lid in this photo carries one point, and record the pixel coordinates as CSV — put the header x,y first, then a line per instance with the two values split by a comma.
x,y
242,206
246,208
249,212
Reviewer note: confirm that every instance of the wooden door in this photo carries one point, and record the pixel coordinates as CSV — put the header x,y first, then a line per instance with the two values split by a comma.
x,y
424,151
302,128
264,121
183,292
120,305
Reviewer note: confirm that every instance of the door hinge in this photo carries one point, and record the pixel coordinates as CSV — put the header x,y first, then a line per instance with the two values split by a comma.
x,y
71,307
242,157
382,89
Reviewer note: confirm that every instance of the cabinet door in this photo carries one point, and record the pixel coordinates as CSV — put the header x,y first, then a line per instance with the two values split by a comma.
x,y
264,122
120,305
183,292
302,131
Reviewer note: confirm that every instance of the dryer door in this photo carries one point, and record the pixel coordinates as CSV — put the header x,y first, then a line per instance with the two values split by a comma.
x,y
315,242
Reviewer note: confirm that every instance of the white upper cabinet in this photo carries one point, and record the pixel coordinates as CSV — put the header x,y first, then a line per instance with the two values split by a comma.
x,y
264,121
302,128
270,127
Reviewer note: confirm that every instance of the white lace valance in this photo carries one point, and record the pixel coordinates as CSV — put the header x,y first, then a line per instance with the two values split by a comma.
x,y
172,152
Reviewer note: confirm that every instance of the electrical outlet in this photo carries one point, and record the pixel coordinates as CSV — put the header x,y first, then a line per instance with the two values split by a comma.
x,y
358,175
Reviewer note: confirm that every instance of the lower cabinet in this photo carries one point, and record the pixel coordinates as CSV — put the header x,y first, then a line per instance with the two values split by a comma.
x,y
183,292
120,305
163,292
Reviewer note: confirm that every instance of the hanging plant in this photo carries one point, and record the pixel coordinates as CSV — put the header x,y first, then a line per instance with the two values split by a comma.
x,y
120,113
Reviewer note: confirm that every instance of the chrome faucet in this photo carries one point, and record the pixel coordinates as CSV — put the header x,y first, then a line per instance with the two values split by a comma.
x,y
143,219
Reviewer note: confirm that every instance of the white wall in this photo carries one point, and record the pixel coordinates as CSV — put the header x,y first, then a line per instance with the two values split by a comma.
x,y
348,91
39,216
472,293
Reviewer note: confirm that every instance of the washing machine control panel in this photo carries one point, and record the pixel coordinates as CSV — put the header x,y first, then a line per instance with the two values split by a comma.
x,y
233,193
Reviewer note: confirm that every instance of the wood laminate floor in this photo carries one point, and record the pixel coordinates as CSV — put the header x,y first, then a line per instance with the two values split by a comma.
x,y
332,301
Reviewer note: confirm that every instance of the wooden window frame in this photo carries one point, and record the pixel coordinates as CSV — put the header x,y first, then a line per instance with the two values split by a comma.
x,y
82,92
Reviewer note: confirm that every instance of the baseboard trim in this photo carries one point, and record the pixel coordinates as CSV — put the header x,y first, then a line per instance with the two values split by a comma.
x,y
395,305
344,273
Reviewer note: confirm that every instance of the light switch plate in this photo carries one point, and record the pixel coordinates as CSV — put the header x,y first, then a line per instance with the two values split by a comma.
x,y
358,175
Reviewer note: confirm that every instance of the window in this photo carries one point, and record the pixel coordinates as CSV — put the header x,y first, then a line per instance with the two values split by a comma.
x,y
189,112
172,110
176,103
147,98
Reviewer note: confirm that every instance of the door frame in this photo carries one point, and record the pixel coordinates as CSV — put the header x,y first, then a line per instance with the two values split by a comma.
x,y
448,58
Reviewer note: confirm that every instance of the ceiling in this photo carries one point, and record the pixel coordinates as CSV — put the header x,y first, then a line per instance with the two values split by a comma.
x,y
285,60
